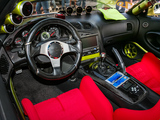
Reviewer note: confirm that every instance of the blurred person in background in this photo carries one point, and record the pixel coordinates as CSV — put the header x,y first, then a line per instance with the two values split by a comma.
x,y
44,4
83,3
67,3
53,5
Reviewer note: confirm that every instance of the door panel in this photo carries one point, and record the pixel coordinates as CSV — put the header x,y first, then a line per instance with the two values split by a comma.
x,y
149,34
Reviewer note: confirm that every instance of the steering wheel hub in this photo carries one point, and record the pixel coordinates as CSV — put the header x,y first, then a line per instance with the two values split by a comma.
x,y
55,50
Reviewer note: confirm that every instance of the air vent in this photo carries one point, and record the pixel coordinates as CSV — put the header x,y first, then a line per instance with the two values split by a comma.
x,y
4,65
85,34
86,25
129,26
76,25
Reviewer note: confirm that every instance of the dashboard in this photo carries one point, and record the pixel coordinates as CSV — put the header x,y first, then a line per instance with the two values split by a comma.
x,y
51,32
92,29
14,44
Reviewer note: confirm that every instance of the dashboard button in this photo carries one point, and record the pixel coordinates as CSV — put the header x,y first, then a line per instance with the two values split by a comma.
x,y
89,53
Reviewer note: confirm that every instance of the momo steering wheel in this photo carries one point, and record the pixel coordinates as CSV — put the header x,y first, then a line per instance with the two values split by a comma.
x,y
54,50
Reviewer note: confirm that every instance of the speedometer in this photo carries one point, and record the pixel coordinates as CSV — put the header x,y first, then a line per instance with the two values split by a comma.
x,y
54,32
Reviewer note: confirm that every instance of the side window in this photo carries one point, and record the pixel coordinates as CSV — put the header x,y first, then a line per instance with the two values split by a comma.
x,y
154,10
123,5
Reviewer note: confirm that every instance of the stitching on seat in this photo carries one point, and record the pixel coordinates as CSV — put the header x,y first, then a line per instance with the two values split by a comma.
x,y
60,103
86,115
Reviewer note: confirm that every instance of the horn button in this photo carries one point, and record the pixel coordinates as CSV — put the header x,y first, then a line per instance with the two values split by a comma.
x,y
55,50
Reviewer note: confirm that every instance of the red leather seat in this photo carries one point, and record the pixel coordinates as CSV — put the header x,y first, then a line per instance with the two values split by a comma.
x,y
85,103
147,71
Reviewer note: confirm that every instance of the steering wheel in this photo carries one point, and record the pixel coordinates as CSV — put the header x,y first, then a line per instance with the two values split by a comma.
x,y
54,50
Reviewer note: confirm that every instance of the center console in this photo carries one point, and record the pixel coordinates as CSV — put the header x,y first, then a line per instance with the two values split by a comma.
x,y
90,47
132,90
116,84
112,79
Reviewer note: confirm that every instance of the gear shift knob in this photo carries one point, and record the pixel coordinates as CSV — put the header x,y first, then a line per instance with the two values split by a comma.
x,y
103,56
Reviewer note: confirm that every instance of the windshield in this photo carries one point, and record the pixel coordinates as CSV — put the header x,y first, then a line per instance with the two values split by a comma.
x,y
62,5
80,6
3,4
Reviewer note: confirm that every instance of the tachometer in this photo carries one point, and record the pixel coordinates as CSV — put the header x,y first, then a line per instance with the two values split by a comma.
x,y
19,41
54,32
45,36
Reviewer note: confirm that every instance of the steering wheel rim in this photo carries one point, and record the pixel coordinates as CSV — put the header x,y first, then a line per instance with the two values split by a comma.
x,y
32,65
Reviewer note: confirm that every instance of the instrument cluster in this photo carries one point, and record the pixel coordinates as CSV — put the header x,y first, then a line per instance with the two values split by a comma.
x,y
21,38
51,32
16,44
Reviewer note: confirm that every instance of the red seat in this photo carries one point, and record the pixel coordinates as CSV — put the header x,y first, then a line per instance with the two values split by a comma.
x,y
85,103
147,71
127,114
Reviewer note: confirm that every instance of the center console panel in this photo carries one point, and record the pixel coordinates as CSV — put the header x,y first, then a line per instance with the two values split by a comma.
x,y
120,87
127,86
90,47
130,94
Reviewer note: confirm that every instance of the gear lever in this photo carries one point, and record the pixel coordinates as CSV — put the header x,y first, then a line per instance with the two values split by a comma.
x,y
102,65
104,68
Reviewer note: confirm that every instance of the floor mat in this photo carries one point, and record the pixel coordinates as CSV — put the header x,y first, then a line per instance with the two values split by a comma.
x,y
27,86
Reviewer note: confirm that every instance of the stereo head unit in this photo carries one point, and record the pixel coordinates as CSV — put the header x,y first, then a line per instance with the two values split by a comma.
x,y
90,47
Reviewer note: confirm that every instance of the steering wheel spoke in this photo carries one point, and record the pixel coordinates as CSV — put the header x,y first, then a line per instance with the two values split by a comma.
x,y
55,62
44,49
56,65
67,48
35,51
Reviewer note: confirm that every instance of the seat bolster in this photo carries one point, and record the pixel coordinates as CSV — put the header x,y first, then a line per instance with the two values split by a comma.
x,y
140,72
127,114
98,103
153,64
147,71
29,109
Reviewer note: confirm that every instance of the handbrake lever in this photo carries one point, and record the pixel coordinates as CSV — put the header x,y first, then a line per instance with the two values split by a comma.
x,y
120,61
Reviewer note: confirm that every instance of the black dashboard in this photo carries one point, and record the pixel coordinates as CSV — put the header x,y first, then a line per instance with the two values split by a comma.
x,y
92,26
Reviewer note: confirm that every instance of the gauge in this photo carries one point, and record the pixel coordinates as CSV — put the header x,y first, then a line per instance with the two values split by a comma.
x,y
88,9
54,32
25,34
18,41
69,10
45,36
79,10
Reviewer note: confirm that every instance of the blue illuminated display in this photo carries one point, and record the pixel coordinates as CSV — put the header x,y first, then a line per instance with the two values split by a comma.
x,y
117,79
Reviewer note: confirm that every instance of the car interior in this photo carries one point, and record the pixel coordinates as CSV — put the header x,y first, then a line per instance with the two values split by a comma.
x,y
95,61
